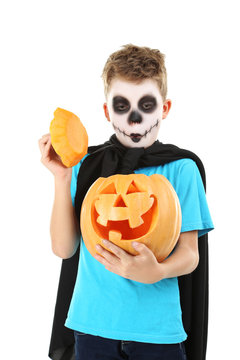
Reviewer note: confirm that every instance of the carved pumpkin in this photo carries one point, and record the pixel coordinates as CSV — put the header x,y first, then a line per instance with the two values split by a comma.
x,y
69,137
134,207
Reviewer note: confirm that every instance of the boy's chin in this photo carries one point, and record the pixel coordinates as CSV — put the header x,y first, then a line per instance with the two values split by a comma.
x,y
134,141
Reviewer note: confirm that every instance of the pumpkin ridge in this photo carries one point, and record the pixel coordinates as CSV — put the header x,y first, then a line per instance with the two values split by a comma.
x,y
69,137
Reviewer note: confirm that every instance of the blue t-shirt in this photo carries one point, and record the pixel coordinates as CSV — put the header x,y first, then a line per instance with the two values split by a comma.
x,y
109,305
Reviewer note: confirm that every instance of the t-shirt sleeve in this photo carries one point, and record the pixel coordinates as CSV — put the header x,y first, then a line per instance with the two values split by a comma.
x,y
75,170
192,197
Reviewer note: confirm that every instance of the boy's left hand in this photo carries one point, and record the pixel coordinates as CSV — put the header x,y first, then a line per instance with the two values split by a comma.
x,y
143,268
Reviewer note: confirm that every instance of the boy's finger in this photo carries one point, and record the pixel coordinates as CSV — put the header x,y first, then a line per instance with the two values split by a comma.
x,y
41,145
115,249
47,147
44,148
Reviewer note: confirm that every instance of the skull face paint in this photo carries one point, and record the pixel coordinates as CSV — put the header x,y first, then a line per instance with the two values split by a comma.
x,y
135,111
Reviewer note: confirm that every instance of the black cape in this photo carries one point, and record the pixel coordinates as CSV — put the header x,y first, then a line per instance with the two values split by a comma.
x,y
111,158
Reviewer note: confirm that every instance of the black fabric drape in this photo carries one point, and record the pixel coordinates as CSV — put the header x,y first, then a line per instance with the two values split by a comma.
x,y
113,158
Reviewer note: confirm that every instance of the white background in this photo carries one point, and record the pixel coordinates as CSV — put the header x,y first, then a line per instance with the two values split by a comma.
x,y
52,55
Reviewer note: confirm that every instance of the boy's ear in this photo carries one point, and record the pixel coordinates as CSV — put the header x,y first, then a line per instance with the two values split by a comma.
x,y
105,108
166,108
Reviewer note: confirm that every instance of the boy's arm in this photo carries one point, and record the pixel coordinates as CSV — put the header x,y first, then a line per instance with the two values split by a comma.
x,y
63,227
184,259
144,267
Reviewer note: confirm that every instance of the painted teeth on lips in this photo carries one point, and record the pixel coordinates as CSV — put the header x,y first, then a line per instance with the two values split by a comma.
x,y
135,135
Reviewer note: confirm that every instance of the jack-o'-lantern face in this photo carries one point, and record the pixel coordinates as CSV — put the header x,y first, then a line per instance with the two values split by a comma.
x,y
123,208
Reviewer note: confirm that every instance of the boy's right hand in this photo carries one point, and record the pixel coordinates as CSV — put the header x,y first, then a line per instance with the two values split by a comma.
x,y
52,160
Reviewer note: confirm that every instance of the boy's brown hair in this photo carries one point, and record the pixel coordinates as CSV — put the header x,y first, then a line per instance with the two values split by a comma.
x,y
135,63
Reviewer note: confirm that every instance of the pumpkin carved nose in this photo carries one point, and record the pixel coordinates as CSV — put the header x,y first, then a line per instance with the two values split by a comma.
x,y
119,202
118,207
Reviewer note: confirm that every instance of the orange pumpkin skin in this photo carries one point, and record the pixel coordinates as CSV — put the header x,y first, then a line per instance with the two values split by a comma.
x,y
134,207
68,136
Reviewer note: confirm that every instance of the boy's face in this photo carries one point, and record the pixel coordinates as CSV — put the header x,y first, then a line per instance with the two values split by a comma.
x,y
135,111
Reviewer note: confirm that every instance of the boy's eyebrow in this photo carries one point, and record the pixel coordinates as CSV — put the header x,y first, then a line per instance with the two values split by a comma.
x,y
147,98
119,98
148,95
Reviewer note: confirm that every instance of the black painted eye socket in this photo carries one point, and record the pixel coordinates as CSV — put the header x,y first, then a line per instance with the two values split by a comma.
x,y
147,104
120,105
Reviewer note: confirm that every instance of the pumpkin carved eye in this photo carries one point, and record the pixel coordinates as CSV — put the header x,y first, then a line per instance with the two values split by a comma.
x,y
123,208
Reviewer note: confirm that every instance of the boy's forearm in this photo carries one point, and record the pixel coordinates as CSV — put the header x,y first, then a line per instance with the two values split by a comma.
x,y
182,261
63,226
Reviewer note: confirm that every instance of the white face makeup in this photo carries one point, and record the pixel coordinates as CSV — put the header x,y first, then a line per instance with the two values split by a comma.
x,y
135,111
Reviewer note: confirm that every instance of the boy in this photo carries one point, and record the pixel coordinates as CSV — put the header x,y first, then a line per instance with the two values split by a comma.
x,y
124,306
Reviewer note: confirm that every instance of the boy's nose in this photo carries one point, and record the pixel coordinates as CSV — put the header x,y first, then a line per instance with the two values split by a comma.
x,y
135,117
